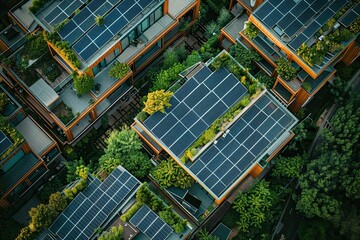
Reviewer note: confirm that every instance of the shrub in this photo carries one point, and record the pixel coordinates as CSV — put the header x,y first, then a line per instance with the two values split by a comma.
x,y
166,78
285,69
251,30
99,20
58,202
141,116
224,17
83,83
129,213
355,26
170,58
244,56
35,46
37,5
26,234
157,101
212,29
119,70
113,234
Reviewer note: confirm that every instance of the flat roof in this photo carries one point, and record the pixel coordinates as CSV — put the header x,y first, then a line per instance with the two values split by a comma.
x,y
44,92
92,207
221,231
36,137
196,105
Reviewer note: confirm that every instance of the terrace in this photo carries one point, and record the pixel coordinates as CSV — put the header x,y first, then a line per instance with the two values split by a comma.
x,y
13,37
235,26
220,117
177,7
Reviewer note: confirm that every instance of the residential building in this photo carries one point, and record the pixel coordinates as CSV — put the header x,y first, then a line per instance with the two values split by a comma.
x,y
302,32
247,126
28,154
89,37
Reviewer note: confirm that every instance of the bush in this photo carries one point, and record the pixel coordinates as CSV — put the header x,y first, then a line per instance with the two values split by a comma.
x,y
129,213
83,83
170,58
212,29
35,46
119,70
224,17
141,116
3,101
285,69
113,234
157,101
37,5
251,30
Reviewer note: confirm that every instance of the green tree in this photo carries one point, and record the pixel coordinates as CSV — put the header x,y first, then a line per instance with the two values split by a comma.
x,y
157,101
83,83
71,169
251,30
3,101
212,29
203,234
246,57
41,217
26,234
57,202
224,17
285,69
253,206
169,173
170,58
119,70
287,167
122,142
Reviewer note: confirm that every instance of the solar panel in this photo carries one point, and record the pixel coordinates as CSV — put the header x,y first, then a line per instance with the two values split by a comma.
x,y
306,15
94,205
201,102
63,11
337,5
349,18
114,22
293,28
5,143
299,8
273,18
151,224
249,137
286,21
296,42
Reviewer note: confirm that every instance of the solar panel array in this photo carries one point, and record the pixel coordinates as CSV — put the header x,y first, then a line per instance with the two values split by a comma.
x,y
5,143
301,19
62,11
151,224
194,107
350,16
88,37
249,137
94,205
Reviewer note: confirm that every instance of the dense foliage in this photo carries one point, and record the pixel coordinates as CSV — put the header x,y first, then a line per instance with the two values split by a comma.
x,y
169,173
3,101
12,133
124,148
246,57
114,233
119,70
285,69
37,5
83,83
157,101
251,30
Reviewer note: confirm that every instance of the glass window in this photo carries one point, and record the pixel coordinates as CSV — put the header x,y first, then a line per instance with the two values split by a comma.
x,y
103,63
145,24
125,43
96,69
109,58
152,18
117,52
158,13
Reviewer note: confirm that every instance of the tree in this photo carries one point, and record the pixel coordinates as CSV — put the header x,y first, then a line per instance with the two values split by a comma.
x,y
285,69
157,101
246,57
71,168
224,17
119,70
41,217
26,234
169,173
287,167
251,30
114,233
83,83
170,58
122,142
212,29
203,234
253,206
3,101
57,202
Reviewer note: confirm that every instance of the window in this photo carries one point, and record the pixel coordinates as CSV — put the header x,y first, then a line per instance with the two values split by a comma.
x,y
117,52
158,13
145,25
125,43
96,69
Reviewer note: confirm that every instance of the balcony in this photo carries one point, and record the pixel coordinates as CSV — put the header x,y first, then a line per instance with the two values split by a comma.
x,y
13,38
177,7
235,26
147,38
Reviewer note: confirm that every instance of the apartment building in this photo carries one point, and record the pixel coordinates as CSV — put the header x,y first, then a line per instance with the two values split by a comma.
x,y
248,127
312,35
28,154
88,38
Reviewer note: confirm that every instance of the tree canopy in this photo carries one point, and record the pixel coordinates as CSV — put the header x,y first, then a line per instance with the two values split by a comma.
x,y
157,101
169,173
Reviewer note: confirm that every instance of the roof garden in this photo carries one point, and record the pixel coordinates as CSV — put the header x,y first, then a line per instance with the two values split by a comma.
x,y
316,30
10,139
221,123
93,26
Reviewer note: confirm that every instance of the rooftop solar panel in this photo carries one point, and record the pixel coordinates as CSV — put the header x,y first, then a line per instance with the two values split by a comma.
x,y
63,11
337,5
151,224
223,163
325,16
306,15
299,8
318,4
349,18
293,28
93,206
286,6
5,143
263,10
286,21
273,18
201,102
296,42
